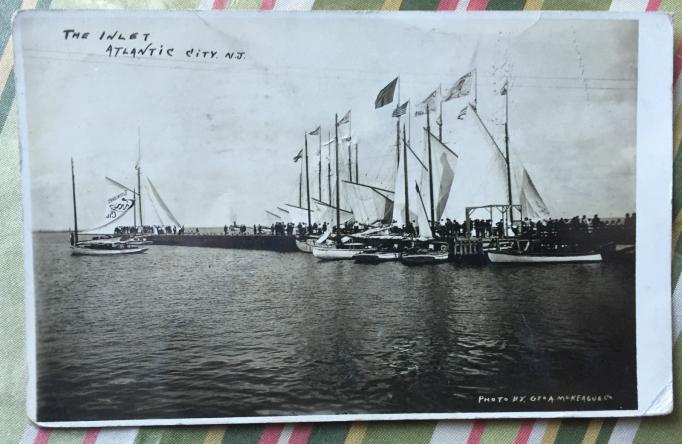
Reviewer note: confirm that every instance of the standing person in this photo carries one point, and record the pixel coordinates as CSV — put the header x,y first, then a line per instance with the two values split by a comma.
x,y
225,230
72,239
254,229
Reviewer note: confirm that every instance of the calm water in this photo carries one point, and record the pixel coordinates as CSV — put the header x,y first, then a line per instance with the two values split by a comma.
x,y
198,332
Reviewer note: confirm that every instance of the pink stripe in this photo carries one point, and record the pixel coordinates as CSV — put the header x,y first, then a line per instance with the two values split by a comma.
x,y
42,436
91,436
267,5
677,61
477,5
524,431
271,434
447,5
220,4
301,434
653,5
479,424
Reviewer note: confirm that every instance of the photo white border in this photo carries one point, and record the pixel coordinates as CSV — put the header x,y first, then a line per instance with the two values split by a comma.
x,y
653,247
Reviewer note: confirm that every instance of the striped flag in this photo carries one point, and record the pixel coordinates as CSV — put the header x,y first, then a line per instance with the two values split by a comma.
x,y
298,156
400,110
505,87
385,96
461,88
430,101
315,132
345,119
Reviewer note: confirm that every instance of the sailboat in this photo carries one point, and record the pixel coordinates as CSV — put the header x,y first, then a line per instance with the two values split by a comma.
x,y
108,246
440,167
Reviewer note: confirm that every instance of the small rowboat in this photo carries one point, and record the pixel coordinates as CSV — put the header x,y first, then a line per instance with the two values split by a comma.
x,y
376,257
305,245
430,253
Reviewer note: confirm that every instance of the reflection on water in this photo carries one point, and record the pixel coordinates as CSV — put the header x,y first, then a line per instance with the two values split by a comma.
x,y
198,332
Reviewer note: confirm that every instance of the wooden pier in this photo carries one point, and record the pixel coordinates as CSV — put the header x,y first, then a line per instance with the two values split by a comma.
x,y
467,251
243,242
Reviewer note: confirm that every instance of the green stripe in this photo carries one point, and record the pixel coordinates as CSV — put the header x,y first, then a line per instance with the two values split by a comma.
x,y
674,6
506,5
244,4
329,433
243,434
606,430
390,433
677,182
7,8
577,5
571,431
149,435
62,436
183,435
419,5
666,429
361,5
500,431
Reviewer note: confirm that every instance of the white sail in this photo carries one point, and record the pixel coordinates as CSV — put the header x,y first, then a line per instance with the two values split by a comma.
x,y
327,213
299,214
369,204
443,164
482,176
532,205
272,217
115,208
415,166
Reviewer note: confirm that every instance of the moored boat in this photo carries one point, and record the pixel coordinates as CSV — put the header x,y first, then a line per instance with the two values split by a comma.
x,y
105,247
428,253
306,245
339,251
514,257
369,257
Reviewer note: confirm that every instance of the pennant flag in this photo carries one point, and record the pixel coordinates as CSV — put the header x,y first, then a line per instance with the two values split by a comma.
x,y
345,119
345,138
462,113
400,110
315,132
385,96
461,88
503,90
298,156
431,100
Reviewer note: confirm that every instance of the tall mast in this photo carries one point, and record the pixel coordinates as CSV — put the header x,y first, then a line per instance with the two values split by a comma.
x,y
357,170
350,161
338,200
319,166
75,214
300,187
134,207
329,166
428,142
307,180
407,194
506,148
440,115
138,168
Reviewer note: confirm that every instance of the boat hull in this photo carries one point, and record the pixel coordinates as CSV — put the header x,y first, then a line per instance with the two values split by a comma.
x,y
80,251
334,254
305,246
375,258
424,259
513,258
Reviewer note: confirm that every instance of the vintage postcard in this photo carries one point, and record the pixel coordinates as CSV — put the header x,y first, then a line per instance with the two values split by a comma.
x,y
255,217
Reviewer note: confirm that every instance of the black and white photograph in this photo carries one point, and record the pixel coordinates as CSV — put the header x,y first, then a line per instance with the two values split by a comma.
x,y
245,217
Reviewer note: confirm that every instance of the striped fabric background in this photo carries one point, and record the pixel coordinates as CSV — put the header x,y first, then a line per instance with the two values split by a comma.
x,y
14,426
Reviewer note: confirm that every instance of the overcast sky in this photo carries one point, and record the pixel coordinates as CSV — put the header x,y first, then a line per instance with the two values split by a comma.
x,y
218,136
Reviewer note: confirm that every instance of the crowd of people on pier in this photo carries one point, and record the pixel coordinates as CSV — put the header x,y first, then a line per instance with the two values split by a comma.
x,y
148,229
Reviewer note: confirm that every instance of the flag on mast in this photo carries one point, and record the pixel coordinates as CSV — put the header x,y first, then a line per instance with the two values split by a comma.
x,y
431,101
298,156
400,110
505,87
315,132
345,119
462,113
461,88
385,96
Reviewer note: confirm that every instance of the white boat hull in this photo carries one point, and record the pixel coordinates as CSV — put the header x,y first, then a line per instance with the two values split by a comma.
x,y
334,254
305,246
512,258
80,251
